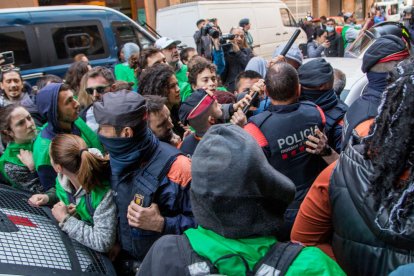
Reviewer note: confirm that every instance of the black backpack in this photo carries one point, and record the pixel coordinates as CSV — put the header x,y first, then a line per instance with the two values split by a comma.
x,y
275,263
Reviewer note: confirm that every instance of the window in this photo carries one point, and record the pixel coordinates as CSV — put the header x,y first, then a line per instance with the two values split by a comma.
x,y
287,18
70,41
126,32
16,42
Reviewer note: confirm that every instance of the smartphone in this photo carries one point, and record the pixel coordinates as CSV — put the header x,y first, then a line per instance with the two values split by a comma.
x,y
8,58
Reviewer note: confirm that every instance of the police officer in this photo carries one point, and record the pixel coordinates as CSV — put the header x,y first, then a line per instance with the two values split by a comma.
x,y
316,78
285,148
378,61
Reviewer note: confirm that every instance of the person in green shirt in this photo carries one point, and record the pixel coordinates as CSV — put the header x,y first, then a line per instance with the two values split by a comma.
x,y
238,200
56,102
18,130
122,70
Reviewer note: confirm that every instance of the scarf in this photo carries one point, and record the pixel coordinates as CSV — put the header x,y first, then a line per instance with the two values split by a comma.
x,y
325,99
127,152
377,82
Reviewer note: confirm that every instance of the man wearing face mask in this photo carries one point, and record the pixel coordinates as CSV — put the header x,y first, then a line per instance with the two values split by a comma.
x,y
378,61
336,44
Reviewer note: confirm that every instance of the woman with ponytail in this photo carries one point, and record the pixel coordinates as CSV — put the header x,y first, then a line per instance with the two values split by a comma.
x,y
86,210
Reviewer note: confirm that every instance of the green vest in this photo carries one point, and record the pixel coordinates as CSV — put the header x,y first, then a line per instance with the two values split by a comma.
x,y
41,145
10,156
94,198
212,246
343,33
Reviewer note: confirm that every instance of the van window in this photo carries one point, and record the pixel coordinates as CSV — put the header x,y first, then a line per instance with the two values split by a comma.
x,y
125,32
16,42
287,18
70,41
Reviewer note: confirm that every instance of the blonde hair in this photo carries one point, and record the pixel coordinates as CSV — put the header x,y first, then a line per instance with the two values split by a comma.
x,y
84,98
71,152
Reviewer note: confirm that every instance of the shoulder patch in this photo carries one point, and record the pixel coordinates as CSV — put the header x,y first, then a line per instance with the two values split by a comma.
x,y
363,128
257,134
322,115
180,171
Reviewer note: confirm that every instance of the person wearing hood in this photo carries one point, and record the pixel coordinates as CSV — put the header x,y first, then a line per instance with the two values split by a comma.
x,y
360,208
378,61
122,70
294,121
56,102
239,207
317,78
151,179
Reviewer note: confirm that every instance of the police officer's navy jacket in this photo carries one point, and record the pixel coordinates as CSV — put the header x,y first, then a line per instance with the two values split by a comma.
x,y
282,132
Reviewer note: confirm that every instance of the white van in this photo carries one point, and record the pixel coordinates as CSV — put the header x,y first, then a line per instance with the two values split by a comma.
x,y
391,9
272,22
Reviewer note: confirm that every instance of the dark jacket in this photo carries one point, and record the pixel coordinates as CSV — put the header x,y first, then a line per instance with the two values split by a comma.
x,y
235,63
189,144
362,109
334,110
203,44
361,244
157,173
336,48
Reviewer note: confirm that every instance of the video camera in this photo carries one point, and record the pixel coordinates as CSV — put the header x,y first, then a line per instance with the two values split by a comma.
x,y
224,41
209,30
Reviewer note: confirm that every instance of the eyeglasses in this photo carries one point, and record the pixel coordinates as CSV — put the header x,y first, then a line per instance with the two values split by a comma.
x,y
99,89
5,69
241,36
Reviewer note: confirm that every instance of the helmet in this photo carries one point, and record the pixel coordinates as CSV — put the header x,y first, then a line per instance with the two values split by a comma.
x,y
408,13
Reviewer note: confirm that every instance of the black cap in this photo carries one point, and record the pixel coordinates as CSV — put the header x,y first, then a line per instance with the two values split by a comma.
x,y
315,73
383,47
120,109
243,22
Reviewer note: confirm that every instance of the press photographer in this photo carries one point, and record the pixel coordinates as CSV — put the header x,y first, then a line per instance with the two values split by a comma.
x,y
236,55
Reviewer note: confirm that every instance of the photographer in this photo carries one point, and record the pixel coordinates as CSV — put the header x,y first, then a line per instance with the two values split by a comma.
x,y
236,55
202,39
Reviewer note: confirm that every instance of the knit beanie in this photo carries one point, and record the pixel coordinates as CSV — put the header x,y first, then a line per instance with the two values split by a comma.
x,y
235,192
384,49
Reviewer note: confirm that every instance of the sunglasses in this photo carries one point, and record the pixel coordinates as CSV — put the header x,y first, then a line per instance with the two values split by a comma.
x,y
99,89
6,69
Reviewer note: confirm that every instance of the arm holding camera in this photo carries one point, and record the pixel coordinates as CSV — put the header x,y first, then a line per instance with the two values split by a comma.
x,y
218,56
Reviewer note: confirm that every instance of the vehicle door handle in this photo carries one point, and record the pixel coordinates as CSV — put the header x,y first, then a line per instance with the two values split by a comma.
x,y
285,33
277,33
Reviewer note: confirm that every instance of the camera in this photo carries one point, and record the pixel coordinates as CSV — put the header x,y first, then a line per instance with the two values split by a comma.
x,y
224,38
209,30
224,41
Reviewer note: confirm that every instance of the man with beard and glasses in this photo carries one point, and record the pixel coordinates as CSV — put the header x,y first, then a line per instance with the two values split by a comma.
x,y
159,120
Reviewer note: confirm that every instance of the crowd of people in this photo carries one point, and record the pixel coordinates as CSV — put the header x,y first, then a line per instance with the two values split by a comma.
x,y
211,160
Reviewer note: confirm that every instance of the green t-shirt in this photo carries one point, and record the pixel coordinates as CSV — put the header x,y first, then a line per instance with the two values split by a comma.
x,y
125,73
208,244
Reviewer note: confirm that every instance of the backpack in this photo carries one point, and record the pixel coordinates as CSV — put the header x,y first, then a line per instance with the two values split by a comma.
x,y
276,261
